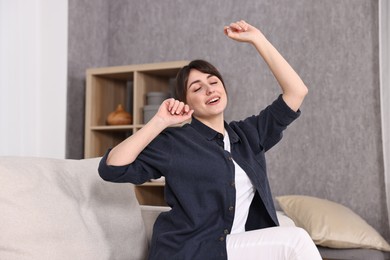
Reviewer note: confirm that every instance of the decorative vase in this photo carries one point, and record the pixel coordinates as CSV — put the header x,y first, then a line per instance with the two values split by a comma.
x,y
119,117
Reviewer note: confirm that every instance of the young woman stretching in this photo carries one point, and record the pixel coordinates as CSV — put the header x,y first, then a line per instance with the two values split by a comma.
x,y
215,174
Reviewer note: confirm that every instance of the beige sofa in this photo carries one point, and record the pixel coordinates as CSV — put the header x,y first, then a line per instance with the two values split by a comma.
x,y
61,209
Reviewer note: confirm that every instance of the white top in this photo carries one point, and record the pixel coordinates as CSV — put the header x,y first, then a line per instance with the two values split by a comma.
x,y
244,193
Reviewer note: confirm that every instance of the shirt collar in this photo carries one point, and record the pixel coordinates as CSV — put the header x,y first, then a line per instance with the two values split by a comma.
x,y
210,134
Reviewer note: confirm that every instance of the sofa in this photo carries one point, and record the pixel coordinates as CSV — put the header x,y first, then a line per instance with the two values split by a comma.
x,y
61,209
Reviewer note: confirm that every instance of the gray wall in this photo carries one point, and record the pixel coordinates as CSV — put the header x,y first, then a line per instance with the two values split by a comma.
x,y
333,151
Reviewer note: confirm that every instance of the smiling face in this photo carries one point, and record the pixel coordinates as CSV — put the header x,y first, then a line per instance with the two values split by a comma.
x,y
206,95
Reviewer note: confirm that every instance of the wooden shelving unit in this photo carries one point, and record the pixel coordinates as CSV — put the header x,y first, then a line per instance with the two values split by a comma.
x,y
151,193
126,85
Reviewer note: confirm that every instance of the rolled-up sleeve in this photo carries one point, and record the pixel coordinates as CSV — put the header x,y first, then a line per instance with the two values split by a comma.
x,y
282,112
266,129
150,164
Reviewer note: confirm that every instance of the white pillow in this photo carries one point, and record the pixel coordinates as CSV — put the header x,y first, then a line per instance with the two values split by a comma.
x,y
331,224
62,209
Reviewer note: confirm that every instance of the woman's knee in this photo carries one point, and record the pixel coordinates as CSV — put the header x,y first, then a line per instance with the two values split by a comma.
x,y
300,234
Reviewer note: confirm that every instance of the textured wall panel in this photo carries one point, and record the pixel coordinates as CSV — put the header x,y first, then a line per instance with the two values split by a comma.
x,y
87,47
333,151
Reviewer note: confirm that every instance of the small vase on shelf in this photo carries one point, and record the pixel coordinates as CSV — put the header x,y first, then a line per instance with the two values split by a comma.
x,y
119,117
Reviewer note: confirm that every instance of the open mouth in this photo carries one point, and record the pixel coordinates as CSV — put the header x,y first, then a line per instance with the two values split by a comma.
x,y
213,101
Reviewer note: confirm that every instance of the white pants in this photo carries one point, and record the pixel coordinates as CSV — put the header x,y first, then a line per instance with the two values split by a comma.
x,y
272,243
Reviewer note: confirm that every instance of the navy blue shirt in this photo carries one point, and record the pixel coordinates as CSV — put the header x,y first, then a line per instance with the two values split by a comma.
x,y
199,181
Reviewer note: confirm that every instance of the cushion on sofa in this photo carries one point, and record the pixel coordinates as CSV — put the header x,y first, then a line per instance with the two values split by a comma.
x,y
331,224
62,209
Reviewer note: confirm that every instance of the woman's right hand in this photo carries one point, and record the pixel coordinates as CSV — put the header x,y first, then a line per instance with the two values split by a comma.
x,y
172,112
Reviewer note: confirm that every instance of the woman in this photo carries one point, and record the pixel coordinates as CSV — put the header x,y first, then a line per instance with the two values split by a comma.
x,y
216,182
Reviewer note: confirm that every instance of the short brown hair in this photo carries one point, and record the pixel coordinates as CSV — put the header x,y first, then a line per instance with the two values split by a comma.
x,y
182,76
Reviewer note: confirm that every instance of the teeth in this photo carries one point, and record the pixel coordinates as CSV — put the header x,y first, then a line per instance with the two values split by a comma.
x,y
213,100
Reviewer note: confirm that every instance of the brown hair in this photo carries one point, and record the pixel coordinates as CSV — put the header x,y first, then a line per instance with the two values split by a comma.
x,y
182,76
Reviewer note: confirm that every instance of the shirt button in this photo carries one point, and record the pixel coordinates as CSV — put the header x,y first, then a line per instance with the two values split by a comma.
x,y
232,184
226,231
221,238
230,158
231,208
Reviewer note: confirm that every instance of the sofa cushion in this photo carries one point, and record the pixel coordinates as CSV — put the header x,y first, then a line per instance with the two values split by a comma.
x,y
331,224
62,209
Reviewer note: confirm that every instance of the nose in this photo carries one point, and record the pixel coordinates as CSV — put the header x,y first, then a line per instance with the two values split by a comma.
x,y
210,90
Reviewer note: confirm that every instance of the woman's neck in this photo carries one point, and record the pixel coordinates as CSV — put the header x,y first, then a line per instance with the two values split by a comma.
x,y
217,123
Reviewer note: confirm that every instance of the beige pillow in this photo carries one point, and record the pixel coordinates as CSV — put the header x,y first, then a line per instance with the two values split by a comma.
x,y
331,224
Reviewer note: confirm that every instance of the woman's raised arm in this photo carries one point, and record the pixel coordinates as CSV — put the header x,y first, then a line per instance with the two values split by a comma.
x,y
293,88
171,112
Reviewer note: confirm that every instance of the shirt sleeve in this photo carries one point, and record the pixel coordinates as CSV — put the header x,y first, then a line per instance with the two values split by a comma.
x,y
151,163
266,129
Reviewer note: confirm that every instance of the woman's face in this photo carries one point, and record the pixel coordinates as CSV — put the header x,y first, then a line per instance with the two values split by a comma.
x,y
205,94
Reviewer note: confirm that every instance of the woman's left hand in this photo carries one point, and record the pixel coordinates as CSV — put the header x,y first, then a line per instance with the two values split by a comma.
x,y
242,31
